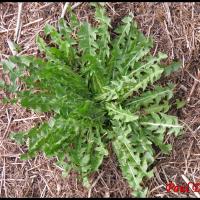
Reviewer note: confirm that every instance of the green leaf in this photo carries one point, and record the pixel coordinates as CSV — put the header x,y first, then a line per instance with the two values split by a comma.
x,y
24,157
18,137
2,84
120,113
87,37
172,68
179,103
86,182
123,30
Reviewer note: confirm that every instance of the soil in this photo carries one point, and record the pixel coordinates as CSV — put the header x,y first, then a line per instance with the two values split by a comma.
x,y
175,28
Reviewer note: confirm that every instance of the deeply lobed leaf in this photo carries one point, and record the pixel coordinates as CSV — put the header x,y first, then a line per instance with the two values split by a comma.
x,y
99,90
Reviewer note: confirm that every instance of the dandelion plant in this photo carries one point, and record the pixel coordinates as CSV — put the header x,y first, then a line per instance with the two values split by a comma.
x,y
100,89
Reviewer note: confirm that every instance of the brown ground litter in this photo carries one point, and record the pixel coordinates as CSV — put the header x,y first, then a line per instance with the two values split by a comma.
x,y
175,28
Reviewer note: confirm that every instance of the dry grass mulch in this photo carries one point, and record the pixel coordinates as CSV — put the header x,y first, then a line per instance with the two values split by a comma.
x,y
175,28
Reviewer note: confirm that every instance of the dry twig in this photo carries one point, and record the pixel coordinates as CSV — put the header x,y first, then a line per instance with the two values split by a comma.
x,y
187,181
196,81
95,182
64,10
17,30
